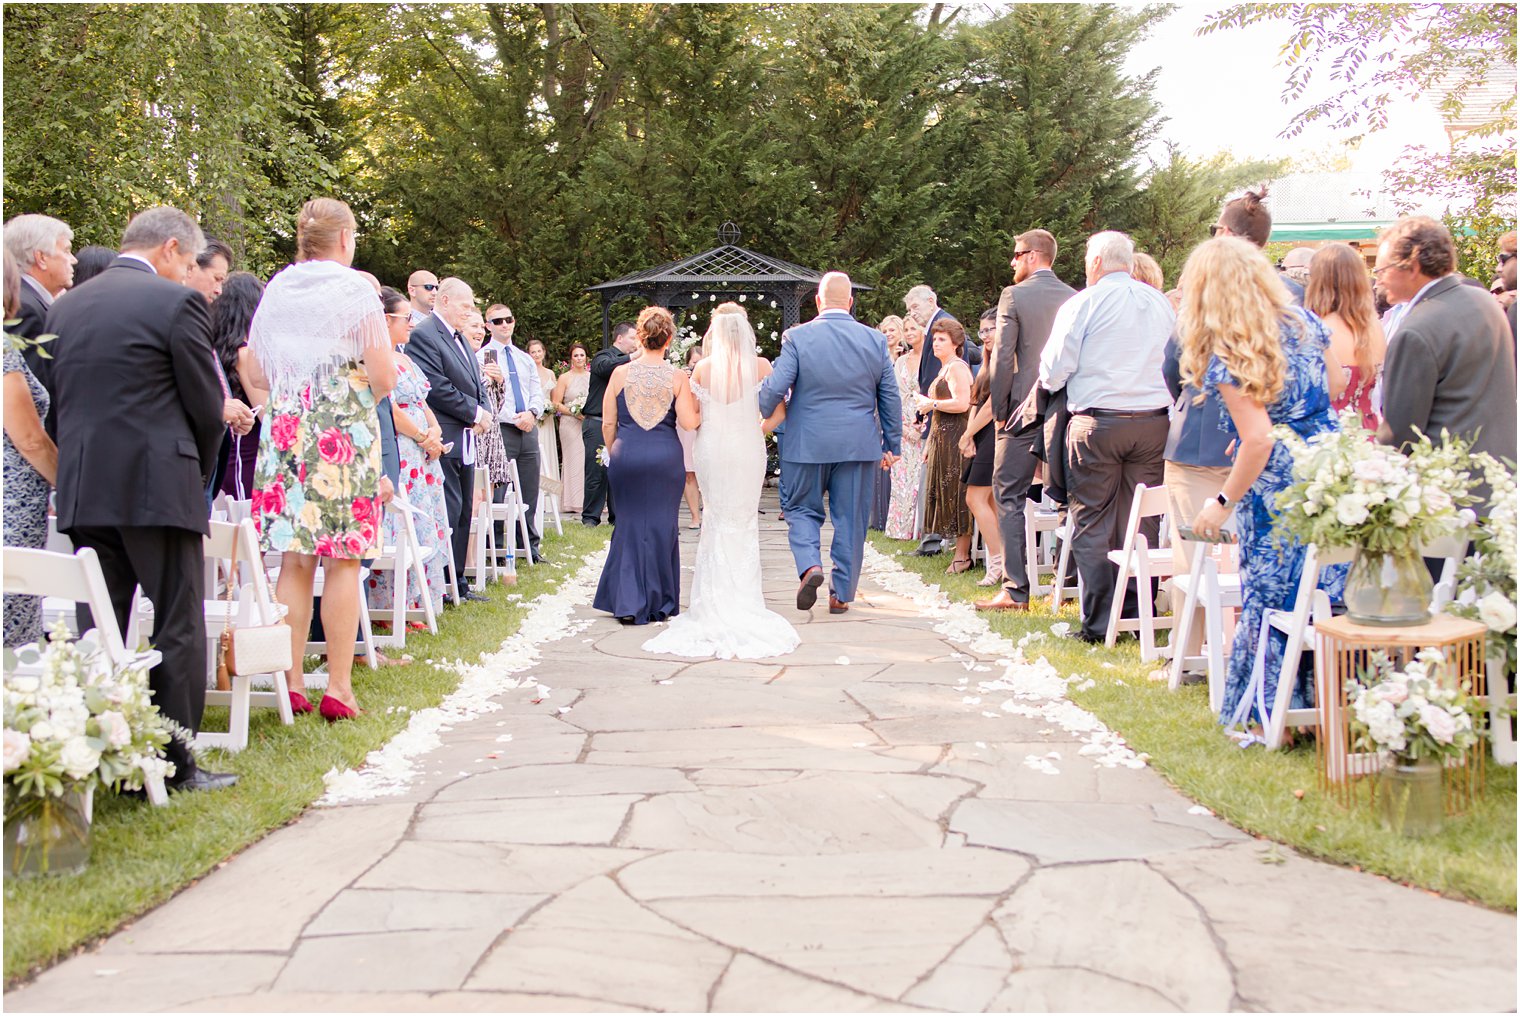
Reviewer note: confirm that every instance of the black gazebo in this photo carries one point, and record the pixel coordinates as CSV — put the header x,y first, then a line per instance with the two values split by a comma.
x,y
725,271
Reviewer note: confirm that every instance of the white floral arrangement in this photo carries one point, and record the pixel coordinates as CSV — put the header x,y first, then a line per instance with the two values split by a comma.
x,y
1486,580
686,337
603,456
576,406
73,720
1415,713
1349,491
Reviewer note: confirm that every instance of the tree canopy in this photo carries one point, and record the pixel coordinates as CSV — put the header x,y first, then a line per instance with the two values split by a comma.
x,y
535,149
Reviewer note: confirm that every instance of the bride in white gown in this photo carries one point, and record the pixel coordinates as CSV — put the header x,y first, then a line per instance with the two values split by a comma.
x,y
728,618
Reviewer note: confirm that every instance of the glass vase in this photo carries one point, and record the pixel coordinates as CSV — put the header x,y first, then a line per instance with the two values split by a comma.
x,y
1409,797
48,835
1388,588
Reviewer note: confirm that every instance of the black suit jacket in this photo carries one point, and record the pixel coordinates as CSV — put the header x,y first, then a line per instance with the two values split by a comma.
x,y
139,406
1025,314
32,323
457,387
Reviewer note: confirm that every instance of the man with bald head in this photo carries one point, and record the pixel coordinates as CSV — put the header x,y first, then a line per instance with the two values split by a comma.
x,y
458,399
843,421
420,287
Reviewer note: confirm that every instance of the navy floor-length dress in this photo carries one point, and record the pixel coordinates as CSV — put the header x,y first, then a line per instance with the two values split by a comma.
x,y
647,472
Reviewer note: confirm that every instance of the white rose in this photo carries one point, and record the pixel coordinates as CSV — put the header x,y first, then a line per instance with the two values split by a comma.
x,y
18,748
1351,511
1497,612
115,729
42,730
78,758
1438,723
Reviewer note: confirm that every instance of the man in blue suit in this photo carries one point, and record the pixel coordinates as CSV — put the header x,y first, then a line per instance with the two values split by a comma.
x,y
842,423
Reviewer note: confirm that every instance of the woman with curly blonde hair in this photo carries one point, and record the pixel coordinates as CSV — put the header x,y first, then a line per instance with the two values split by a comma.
x,y
1245,344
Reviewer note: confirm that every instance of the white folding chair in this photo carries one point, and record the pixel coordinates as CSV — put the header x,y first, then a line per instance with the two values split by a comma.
x,y
481,562
1050,555
253,605
1216,591
1310,605
1451,550
1139,560
77,578
513,513
406,557
548,505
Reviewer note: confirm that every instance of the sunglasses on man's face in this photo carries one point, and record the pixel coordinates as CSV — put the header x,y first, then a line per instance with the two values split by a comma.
x,y
502,320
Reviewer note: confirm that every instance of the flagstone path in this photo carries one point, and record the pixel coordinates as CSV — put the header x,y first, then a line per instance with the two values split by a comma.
x,y
844,829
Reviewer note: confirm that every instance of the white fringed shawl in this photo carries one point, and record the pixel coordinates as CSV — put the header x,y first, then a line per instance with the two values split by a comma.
x,y
315,318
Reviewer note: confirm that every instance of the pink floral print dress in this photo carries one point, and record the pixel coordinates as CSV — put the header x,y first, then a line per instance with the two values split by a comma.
x,y
319,470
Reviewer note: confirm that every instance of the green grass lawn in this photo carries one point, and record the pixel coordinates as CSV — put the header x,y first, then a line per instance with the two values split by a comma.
x,y
1275,795
141,856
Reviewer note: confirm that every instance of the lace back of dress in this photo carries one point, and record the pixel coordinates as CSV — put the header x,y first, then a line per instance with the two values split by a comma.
x,y
648,391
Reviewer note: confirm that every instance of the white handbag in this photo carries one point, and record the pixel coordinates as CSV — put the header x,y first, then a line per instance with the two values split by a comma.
x,y
257,649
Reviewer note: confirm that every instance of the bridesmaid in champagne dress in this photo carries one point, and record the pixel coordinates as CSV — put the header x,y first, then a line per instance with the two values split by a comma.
x,y
569,401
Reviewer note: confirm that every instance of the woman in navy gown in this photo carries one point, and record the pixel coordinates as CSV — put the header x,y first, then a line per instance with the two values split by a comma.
x,y
646,397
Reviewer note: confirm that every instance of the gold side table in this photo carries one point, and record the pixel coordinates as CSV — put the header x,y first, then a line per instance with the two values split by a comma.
x,y
1343,650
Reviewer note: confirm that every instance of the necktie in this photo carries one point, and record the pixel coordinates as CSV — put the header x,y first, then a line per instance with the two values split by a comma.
x,y
517,393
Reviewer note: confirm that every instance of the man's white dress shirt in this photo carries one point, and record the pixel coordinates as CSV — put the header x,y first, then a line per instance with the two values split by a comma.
x,y
1107,345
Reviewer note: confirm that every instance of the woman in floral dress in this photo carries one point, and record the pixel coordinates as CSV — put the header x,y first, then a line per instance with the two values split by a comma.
x,y
320,342
419,440
907,474
1265,361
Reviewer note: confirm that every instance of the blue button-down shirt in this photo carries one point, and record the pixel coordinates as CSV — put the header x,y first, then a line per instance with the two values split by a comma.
x,y
1106,346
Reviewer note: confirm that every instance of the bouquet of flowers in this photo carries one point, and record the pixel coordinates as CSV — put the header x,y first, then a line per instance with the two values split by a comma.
x,y
79,722
1413,714
576,406
1486,579
686,337
1348,491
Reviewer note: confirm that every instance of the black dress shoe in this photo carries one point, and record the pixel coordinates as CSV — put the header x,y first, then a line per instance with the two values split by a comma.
x,y
930,546
588,523
200,779
470,594
1081,636
539,558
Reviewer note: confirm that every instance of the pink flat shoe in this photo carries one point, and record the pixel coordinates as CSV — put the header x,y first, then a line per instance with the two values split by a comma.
x,y
332,710
300,704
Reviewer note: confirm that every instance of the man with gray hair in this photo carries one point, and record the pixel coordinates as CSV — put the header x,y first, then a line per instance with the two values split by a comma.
x,y
1105,352
41,246
458,398
133,457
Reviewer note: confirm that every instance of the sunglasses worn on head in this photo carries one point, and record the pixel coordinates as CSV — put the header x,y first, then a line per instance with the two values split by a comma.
x,y
502,320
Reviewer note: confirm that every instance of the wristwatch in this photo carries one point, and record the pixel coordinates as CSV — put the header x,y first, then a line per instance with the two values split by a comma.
x,y
1224,502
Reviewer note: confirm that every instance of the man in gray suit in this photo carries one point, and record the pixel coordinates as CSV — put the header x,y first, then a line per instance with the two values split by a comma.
x,y
844,421
1024,316
1450,364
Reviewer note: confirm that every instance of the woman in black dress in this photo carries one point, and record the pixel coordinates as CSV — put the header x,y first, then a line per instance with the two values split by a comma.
x,y
641,581
979,444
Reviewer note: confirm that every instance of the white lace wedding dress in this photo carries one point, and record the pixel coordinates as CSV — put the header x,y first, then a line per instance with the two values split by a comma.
x,y
727,617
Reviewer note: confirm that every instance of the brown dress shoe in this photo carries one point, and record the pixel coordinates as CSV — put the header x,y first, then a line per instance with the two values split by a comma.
x,y
1002,601
807,590
837,606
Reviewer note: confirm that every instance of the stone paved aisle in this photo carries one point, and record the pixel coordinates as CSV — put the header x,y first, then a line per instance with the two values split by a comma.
x,y
847,829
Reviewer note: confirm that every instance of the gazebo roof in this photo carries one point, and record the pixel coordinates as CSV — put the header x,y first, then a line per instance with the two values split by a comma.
x,y
726,265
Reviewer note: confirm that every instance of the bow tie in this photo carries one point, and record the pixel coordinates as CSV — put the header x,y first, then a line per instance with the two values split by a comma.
x,y
459,337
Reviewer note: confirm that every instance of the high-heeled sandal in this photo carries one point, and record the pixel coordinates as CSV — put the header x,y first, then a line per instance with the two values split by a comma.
x,y
994,574
959,565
